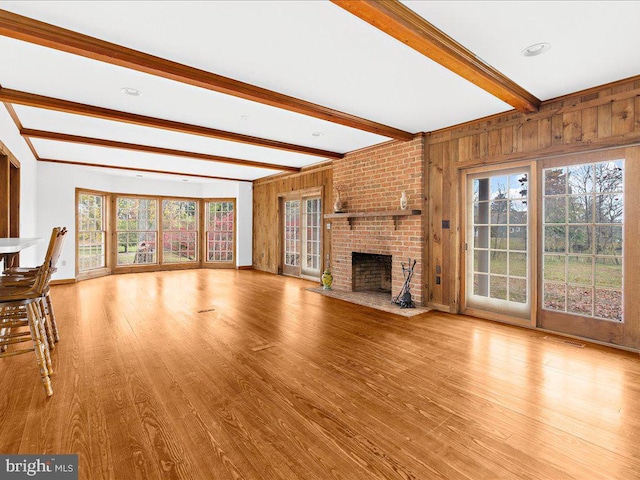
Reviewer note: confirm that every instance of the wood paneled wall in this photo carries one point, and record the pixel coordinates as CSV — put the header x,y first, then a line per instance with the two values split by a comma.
x,y
9,193
593,120
266,215
598,118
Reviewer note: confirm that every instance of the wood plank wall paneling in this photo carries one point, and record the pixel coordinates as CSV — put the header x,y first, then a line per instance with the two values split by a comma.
x,y
632,261
266,211
9,193
4,196
595,119
14,201
434,291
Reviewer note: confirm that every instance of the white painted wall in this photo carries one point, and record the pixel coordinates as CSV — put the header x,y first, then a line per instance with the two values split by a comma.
x,y
28,182
245,224
56,203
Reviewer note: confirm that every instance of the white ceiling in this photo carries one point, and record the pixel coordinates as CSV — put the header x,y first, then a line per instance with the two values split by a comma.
x,y
312,50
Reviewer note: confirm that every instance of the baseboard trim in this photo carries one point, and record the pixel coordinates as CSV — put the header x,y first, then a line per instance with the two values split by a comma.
x,y
439,307
244,267
62,281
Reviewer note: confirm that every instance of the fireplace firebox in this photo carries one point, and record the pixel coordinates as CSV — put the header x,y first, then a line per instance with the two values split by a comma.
x,y
371,272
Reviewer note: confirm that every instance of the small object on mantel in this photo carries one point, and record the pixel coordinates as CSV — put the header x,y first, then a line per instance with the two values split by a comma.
x,y
338,205
403,201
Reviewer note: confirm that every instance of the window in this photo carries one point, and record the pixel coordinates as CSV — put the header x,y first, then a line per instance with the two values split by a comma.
x,y
220,231
179,231
91,232
150,232
136,230
582,239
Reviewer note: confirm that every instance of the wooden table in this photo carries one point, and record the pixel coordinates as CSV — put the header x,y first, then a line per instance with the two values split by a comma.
x,y
11,247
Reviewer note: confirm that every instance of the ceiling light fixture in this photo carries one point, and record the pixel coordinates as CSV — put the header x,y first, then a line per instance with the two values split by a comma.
x,y
536,49
134,92
138,175
317,134
185,179
244,117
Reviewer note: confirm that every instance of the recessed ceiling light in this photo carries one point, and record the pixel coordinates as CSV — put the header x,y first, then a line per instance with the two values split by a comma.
x,y
185,179
536,49
134,92
317,134
138,175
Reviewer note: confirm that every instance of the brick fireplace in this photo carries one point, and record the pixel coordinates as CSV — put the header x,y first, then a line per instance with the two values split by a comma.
x,y
373,180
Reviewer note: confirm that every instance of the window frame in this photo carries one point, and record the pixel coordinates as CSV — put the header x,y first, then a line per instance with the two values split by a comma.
x,y
301,196
305,270
205,233
160,265
198,232
292,242
106,219
481,311
114,234
590,226
605,331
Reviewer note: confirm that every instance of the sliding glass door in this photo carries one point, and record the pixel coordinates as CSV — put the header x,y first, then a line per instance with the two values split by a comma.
x,y
558,255
498,242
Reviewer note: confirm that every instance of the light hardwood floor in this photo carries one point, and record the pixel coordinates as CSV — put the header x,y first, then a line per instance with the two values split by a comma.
x,y
165,375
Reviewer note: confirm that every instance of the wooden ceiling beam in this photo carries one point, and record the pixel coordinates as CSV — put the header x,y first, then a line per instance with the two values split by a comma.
x,y
403,24
145,170
33,31
100,142
16,120
49,103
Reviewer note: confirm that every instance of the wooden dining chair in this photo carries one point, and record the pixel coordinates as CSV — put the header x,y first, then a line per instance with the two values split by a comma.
x,y
21,321
23,276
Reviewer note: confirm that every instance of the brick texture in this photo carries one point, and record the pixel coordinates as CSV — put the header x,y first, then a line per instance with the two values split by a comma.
x,y
372,180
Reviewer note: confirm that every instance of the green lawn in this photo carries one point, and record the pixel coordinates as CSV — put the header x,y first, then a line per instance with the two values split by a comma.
x,y
577,271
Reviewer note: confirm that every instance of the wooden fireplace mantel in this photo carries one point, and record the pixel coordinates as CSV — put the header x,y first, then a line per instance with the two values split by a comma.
x,y
395,214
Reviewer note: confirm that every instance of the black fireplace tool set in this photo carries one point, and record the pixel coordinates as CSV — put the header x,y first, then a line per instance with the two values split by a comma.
x,y
404,297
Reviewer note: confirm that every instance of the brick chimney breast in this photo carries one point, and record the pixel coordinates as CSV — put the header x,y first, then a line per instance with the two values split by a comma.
x,y
373,180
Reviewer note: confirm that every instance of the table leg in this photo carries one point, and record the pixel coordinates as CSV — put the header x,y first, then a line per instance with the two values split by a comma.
x,y
9,260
